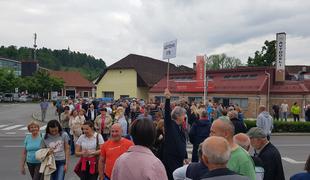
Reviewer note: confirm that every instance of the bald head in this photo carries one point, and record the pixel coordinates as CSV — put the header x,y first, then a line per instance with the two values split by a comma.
x,y
223,128
216,151
243,140
116,132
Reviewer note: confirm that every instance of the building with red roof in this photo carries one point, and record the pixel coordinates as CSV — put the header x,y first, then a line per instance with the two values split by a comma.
x,y
75,84
246,86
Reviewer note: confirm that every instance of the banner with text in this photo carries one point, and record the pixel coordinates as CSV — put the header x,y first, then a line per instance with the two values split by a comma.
x,y
281,51
170,49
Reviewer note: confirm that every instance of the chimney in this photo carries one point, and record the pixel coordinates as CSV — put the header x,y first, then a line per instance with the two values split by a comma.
x,y
280,58
194,66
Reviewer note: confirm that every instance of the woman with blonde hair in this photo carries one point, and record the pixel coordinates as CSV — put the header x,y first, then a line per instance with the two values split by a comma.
x,y
32,143
75,124
194,115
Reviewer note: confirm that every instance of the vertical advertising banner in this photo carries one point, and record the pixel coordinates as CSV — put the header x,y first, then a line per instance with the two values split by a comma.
x,y
170,49
281,53
200,67
281,50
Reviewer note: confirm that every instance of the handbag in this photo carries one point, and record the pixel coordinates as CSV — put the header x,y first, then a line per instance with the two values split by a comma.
x,y
78,166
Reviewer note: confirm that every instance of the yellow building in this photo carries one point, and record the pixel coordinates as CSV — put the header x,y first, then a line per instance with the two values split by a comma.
x,y
131,76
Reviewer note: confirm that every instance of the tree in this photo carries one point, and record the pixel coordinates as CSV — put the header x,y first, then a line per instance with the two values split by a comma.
x,y
265,57
46,83
222,61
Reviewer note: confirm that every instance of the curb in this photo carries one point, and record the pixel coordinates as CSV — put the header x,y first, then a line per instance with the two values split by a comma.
x,y
290,134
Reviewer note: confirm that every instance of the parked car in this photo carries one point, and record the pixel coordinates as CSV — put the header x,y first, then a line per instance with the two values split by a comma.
x,y
1,96
8,97
25,98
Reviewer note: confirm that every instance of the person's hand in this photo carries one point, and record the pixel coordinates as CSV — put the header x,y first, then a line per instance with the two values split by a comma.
x,y
86,153
65,168
186,161
23,171
160,137
51,151
101,177
167,93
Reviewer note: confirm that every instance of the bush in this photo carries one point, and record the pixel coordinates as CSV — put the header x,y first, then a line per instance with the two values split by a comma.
x,y
280,126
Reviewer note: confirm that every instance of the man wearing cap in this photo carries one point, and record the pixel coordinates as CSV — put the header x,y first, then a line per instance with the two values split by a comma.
x,y
268,153
216,153
103,123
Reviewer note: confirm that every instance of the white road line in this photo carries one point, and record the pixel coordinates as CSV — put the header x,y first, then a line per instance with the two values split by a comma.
x,y
10,133
12,127
3,125
292,161
43,127
12,146
23,129
293,145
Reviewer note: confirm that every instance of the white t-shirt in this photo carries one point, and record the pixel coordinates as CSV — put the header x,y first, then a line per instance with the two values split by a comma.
x,y
89,144
284,107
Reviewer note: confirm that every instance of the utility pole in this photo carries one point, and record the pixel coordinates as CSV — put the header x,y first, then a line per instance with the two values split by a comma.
x,y
35,47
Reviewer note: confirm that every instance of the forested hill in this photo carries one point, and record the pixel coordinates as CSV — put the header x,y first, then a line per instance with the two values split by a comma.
x,y
63,59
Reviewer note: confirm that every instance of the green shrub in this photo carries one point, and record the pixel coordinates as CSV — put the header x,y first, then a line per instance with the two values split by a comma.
x,y
280,126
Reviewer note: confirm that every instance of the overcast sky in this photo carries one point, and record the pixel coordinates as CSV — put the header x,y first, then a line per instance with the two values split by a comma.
x,y
112,29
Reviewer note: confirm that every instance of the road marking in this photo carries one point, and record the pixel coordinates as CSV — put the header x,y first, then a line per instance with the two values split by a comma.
x,y
10,133
292,145
12,146
12,127
43,127
23,129
292,161
3,125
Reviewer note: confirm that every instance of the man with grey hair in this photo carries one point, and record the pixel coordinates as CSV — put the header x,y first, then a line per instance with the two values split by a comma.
x,y
243,140
174,147
216,154
264,121
240,161
268,153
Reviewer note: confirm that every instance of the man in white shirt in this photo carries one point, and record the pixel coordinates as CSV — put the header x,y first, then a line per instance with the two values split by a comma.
x,y
284,110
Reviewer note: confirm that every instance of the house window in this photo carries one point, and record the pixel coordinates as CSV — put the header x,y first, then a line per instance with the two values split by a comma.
x,y
108,94
85,94
241,102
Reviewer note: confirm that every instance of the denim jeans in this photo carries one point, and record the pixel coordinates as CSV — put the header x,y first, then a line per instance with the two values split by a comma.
x,y
59,174
284,116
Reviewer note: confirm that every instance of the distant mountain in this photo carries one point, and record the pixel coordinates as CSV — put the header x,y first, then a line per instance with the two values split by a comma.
x,y
63,59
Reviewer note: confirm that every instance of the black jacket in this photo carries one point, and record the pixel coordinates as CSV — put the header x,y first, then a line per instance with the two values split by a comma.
x,y
272,163
239,126
88,114
198,133
174,149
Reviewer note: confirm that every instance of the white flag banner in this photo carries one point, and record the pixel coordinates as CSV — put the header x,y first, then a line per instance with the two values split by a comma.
x,y
170,49
281,51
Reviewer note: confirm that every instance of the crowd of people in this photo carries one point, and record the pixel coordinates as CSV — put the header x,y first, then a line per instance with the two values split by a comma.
x,y
282,111
132,139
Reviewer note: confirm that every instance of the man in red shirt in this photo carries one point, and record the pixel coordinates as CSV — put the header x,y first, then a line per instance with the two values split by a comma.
x,y
111,150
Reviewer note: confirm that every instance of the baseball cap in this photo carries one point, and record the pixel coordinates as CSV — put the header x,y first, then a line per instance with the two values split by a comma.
x,y
256,132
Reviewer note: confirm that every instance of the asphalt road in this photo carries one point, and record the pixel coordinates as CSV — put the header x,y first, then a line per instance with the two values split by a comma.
x,y
294,149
